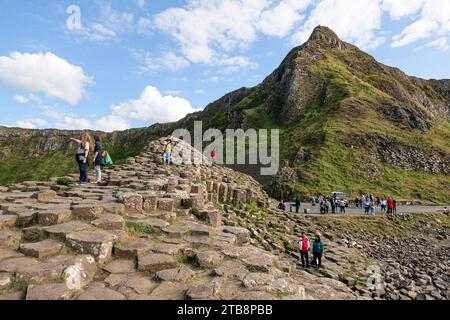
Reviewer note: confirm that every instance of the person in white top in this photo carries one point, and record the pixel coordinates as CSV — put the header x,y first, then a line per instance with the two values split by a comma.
x,y
82,156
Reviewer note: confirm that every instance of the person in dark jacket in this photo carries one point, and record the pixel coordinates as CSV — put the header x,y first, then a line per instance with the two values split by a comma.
x,y
317,251
297,205
98,159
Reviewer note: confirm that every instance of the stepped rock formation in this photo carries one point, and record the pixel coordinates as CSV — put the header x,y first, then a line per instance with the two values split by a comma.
x,y
188,231
156,232
347,122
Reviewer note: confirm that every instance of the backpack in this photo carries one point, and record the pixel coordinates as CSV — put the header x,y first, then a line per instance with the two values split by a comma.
x,y
107,159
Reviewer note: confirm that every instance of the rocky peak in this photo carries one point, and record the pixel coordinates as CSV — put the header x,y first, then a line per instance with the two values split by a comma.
x,y
324,37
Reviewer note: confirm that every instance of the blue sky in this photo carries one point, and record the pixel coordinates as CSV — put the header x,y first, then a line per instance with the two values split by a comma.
x,y
131,63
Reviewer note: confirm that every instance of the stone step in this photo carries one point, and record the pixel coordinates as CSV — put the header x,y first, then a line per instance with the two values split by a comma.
x,y
41,249
59,231
87,211
120,266
97,243
109,222
7,220
53,216
132,249
156,262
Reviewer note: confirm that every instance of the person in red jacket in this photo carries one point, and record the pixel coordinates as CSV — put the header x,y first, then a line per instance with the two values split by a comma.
x,y
390,205
213,155
304,249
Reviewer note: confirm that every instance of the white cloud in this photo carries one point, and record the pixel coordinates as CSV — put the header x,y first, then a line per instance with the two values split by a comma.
x,y
401,8
116,20
140,3
144,26
204,28
31,124
45,73
441,43
354,21
152,106
173,92
107,123
21,99
280,20
168,61
73,123
111,123
96,32
199,91
434,20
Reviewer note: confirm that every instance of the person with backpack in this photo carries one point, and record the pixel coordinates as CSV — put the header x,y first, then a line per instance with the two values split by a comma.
x,y
99,162
317,252
304,249
82,156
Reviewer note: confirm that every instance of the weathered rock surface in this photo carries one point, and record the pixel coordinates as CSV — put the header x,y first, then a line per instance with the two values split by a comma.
x,y
161,232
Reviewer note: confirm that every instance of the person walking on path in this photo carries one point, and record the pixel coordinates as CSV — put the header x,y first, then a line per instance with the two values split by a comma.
x,y
342,206
82,156
297,205
304,249
395,206
167,155
367,205
317,252
99,162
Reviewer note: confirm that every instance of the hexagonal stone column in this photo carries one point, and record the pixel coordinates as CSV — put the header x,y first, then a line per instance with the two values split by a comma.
x,y
96,243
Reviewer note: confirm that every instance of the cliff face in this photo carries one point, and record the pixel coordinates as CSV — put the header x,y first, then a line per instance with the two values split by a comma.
x,y
346,121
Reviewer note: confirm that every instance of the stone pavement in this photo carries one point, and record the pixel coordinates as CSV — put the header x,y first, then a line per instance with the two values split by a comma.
x,y
148,232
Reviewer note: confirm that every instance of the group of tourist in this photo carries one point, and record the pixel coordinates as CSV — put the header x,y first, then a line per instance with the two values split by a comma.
x,y
369,203
335,205
86,147
326,203
82,157
317,250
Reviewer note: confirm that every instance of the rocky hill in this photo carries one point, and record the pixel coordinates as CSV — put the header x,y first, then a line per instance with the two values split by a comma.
x,y
202,232
347,123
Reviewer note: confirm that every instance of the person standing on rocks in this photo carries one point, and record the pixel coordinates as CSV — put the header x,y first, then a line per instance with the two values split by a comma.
x,y
297,205
99,162
213,155
317,252
82,156
304,249
394,209
167,155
